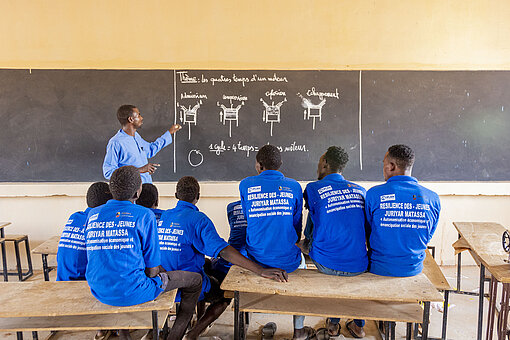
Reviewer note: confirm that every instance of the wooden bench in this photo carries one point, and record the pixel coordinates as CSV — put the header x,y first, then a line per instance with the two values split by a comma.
x,y
308,292
16,240
52,306
48,247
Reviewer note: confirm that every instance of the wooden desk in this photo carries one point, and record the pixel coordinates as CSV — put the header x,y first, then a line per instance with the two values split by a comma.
x,y
48,247
71,306
483,239
305,283
2,247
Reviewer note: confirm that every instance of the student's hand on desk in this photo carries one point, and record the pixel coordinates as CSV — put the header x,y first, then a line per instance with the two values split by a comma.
x,y
149,167
276,274
174,128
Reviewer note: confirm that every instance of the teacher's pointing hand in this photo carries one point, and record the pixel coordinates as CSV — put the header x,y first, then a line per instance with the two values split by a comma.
x,y
174,128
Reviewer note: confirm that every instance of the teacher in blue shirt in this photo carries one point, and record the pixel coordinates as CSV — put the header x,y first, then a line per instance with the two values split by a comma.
x,y
127,147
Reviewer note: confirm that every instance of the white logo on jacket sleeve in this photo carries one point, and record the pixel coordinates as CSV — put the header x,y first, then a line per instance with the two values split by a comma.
x,y
390,197
93,217
254,189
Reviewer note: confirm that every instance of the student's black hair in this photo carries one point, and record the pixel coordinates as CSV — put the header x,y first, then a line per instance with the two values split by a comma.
x,y
124,112
149,196
269,157
98,194
337,158
402,154
124,183
187,189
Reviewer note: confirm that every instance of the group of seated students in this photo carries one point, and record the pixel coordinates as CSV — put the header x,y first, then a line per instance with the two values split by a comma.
x,y
130,252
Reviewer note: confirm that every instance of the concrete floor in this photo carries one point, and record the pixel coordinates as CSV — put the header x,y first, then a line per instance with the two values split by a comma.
x,y
461,321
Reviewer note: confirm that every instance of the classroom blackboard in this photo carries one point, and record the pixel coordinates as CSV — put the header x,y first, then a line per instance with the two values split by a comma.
x,y
57,122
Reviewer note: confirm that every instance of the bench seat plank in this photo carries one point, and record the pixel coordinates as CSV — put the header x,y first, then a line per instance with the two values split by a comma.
x,y
311,283
42,298
434,273
342,308
139,320
49,246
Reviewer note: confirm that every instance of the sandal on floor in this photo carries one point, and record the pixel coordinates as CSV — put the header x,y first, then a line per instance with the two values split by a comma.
x,y
333,328
322,334
268,331
349,324
105,335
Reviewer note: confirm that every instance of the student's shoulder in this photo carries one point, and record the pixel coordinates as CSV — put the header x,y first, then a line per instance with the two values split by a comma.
x,y
231,206
291,182
76,217
141,211
248,181
378,190
431,195
355,186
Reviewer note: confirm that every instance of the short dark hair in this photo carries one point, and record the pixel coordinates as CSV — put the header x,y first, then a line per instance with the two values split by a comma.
x,y
98,194
402,154
269,157
124,112
187,189
337,158
149,196
124,182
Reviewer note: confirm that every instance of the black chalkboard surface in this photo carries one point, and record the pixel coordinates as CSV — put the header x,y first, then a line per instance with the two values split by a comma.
x,y
57,122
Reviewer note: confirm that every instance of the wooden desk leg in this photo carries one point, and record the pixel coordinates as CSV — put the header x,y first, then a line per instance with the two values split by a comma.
x,y
35,336
4,262
426,318
503,315
445,314
480,302
46,272
493,292
19,335
155,328
459,267
392,330
242,326
236,316
409,331
386,330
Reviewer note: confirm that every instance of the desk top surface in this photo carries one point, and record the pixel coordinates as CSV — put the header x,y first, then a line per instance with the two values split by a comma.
x,y
4,224
311,283
49,246
41,298
484,239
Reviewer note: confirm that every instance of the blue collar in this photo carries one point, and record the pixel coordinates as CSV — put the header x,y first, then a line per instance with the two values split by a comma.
x,y
117,202
86,211
271,173
124,134
186,205
334,177
402,179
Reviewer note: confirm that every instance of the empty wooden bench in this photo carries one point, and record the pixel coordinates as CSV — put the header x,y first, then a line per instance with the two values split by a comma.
x,y
16,240
52,306
308,292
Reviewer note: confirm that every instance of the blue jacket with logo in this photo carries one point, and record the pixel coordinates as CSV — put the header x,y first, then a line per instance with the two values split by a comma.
x,y
272,205
403,216
337,210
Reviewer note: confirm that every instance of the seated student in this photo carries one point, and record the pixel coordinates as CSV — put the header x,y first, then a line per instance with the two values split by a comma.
x,y
337,211
72,254
124,257
186,235
237,238
273,207
149,198
402,216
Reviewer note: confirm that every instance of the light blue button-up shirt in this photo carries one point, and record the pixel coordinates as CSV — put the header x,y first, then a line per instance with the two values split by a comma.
x,y
123,149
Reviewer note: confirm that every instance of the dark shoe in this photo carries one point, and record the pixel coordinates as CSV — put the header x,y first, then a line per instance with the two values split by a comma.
x,y
333,328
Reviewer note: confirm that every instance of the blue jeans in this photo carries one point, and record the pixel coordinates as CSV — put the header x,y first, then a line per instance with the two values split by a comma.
x,y
329,271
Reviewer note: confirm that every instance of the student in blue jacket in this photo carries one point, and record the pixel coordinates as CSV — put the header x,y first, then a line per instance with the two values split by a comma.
x,y
149,198
186,235
124,260
72,253
272,205
128,148
402,215
337,212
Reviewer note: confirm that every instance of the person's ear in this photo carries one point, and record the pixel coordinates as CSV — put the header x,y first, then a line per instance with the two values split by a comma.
x,y
130,119
176,196
198,196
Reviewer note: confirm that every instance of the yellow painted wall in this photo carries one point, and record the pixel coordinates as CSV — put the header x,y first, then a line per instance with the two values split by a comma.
x,y
224,34
287,34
